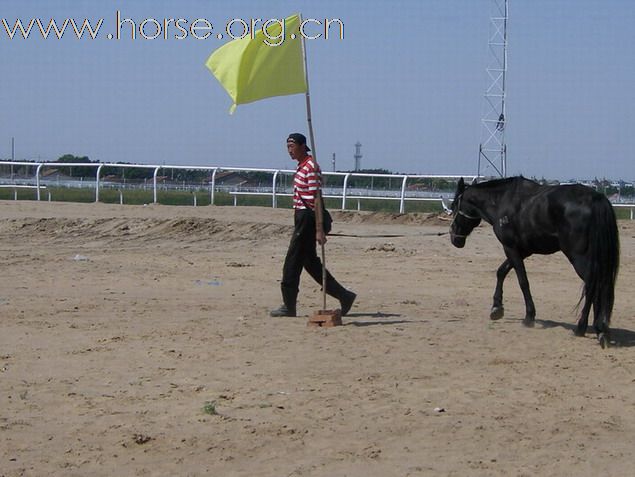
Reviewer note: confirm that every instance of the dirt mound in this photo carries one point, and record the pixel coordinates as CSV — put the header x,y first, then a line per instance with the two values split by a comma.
x,y
115,228
387,218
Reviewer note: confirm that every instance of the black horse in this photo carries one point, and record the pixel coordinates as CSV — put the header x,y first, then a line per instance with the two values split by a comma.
x,y
531,218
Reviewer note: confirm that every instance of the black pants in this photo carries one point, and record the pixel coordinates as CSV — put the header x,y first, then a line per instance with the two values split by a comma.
x,y
302,254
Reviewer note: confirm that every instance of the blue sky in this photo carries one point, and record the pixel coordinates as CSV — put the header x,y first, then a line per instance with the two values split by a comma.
x,y
407,81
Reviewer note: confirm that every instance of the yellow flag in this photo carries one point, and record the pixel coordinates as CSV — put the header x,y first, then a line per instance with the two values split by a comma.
x,y
267,65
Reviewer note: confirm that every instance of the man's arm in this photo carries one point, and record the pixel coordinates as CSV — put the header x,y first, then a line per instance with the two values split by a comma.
x,y
320,236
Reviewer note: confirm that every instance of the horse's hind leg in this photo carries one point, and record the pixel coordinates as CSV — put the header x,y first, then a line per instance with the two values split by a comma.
x,y
601,327
497,311
580,264
583,322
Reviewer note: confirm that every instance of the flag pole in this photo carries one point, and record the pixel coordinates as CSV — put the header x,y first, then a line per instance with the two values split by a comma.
x,y
308,95
318,205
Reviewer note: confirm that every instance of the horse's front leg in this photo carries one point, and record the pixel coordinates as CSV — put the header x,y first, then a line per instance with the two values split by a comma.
x,y
519,266
498,311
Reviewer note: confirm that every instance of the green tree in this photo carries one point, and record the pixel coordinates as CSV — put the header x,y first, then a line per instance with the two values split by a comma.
x,y
77,171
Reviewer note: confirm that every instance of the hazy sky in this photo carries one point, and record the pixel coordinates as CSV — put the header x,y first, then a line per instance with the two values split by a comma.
x,y
407,81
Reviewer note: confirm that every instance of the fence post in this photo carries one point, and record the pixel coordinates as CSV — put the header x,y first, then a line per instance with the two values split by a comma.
x,y
37,180
211,196
274,201
154,183
97,182
344,190
402,205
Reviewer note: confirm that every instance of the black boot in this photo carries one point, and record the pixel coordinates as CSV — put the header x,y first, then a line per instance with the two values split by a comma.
x,y
289,296
346,301
345,297
282,311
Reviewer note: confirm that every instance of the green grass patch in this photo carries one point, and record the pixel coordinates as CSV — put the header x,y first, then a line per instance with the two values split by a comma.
x,y
623,213
203,198
210,408
22,194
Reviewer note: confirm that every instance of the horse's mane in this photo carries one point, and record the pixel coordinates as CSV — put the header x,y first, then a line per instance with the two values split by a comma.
x,y
494,183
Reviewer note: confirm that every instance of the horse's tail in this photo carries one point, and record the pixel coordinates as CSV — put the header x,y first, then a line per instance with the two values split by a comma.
x,y
604,256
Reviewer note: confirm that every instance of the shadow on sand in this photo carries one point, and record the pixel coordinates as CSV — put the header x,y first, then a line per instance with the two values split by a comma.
x,y
620,337
378,314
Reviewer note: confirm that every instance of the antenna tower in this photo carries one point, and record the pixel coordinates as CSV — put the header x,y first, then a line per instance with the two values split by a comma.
x,y
492,150
358,156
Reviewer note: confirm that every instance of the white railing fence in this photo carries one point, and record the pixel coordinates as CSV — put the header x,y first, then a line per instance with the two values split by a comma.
x,y
344,193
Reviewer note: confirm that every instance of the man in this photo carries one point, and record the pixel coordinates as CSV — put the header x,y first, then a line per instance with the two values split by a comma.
x,y
302,249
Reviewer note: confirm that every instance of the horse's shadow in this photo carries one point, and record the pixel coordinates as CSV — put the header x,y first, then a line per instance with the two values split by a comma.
x,y
377,314
620,337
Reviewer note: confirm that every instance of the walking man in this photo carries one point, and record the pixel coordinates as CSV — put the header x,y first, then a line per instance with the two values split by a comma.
x,y
307,195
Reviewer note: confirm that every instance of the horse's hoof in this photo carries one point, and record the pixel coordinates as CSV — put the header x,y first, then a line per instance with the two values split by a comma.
x,y
604,340
497,313
579,332
529,322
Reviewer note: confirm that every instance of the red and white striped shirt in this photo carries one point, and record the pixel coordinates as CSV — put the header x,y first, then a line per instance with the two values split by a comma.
x,y
306,181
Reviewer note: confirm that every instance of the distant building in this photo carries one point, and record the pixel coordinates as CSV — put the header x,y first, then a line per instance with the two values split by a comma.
x,y
234,179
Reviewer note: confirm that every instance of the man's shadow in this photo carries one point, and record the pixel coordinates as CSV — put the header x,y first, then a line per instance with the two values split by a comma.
x,y
619,337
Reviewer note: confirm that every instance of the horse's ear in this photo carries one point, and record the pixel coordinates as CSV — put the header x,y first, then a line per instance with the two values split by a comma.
x,y
475,180
460,187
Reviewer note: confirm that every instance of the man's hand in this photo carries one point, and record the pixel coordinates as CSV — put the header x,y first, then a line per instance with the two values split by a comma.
x,y
320,237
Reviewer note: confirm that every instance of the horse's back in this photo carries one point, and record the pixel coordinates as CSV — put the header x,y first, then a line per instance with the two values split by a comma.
x,y
573,208
553,218
573,203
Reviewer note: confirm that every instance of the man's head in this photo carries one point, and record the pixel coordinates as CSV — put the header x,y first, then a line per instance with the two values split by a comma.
x,y
296,146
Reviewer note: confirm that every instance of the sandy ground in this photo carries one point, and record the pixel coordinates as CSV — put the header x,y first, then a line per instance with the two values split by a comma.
x,y
137,341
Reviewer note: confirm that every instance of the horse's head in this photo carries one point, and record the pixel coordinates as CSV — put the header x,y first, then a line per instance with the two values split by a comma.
x,y
466,217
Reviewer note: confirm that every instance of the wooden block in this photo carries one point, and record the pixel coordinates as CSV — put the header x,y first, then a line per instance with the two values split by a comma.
x,y
326,318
